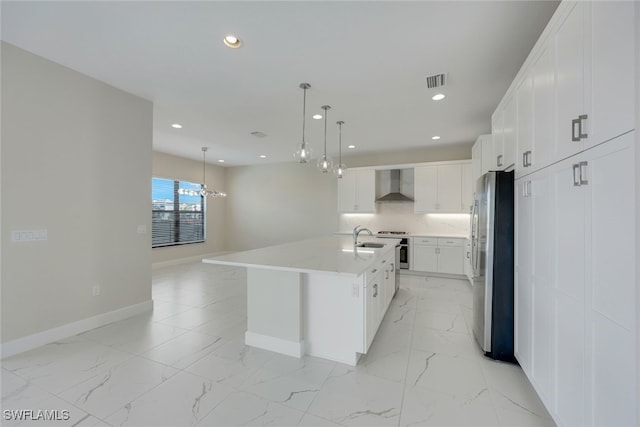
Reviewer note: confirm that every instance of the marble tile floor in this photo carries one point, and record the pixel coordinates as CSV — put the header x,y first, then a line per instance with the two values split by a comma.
x,y
186,364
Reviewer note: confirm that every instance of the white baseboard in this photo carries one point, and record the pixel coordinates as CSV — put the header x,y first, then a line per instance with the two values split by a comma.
x,y
30,342
186,260
278,345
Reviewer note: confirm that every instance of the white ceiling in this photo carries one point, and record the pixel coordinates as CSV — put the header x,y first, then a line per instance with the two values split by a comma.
x,y
367,59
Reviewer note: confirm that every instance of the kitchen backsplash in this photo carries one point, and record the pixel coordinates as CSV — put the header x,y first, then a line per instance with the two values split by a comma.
x,y
399,216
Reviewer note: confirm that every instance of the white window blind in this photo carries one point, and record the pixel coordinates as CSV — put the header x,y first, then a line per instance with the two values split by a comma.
x,y
177,218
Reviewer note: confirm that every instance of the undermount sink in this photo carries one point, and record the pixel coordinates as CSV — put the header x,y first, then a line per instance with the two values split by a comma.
x,y
370,245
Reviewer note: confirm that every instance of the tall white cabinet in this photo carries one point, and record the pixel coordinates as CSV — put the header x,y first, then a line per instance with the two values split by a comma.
x,y
575,248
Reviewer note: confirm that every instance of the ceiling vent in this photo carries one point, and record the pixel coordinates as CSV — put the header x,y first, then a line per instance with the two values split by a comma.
x,y
258,134
436,80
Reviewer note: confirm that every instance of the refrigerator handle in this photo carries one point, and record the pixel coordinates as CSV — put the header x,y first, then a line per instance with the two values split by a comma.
x,y
474,237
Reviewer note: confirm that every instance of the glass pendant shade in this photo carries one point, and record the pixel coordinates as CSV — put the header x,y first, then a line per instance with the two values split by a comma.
x,y
325,163
303,152
340,168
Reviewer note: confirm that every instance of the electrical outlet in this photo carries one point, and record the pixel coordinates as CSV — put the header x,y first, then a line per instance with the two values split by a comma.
x,y
142,229
96,290
28,235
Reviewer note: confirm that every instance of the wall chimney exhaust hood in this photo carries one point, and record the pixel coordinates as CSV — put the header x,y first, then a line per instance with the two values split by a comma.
x,y
394,185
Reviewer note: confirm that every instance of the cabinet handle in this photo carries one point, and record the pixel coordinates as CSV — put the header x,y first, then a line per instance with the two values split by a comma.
x,y
386,277
393,267
583,176
575,124
467,254
581,118
527,155
437,250
383,261
526,189
374,271
524,159
576,175
375,290
499,160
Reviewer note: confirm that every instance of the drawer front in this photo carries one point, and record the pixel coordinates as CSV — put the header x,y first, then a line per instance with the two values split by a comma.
x,y
431,241
450,242
373,272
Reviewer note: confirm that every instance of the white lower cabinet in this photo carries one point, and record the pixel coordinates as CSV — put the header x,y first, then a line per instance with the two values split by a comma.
x,y
575,328
379,291
438,255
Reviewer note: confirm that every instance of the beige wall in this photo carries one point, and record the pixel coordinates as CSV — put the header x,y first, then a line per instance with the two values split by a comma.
x,y
76,161
276,203
173,167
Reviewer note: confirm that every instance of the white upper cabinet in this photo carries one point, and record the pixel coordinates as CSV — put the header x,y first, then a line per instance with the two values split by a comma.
x,y
482,156
574,92
524,126
503,122
438,189
612,69
497,128
570,83
357,191
509,136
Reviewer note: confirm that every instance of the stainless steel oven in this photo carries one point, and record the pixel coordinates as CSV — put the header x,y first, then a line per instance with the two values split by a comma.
x,y
403,262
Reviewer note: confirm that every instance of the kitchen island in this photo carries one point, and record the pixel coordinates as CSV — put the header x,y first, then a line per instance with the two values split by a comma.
x,y
324,297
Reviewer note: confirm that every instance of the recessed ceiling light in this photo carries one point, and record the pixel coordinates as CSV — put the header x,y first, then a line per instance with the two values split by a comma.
x,y
262,156
176,126
220,161
317,116
232,41
438,97
435,137
351,146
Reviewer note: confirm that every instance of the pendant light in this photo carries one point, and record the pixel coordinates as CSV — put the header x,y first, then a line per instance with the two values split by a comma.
x,y
325,163
303,153
340,168
204,192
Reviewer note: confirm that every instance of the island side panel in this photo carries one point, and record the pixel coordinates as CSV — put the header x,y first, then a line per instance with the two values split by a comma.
x,y
333,313
274,319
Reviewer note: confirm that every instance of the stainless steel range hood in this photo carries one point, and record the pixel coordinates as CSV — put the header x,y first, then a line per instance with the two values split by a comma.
x,y
394,185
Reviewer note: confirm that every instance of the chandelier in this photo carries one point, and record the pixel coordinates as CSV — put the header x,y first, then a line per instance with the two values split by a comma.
x,y
204,192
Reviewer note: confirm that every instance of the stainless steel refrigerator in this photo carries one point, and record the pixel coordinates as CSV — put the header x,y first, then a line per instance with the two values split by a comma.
x,y
492,260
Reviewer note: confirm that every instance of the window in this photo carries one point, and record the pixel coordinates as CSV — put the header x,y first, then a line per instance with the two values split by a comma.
x,y
178,218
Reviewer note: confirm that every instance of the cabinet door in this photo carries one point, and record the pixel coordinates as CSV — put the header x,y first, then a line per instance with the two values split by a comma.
x,y
366,191
509,133
371,313
570,82
569,243
347,192
612,69
497,133
524,127
543,280
425,258
449,188
522,287
544,108
450,259
487,153
425,189
476,160
611,279
467,188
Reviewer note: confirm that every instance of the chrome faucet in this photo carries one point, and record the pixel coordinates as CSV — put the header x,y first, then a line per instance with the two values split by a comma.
x,y
356,232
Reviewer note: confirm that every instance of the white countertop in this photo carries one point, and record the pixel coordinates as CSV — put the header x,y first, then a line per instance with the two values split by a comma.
x,y
399,236
330,254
